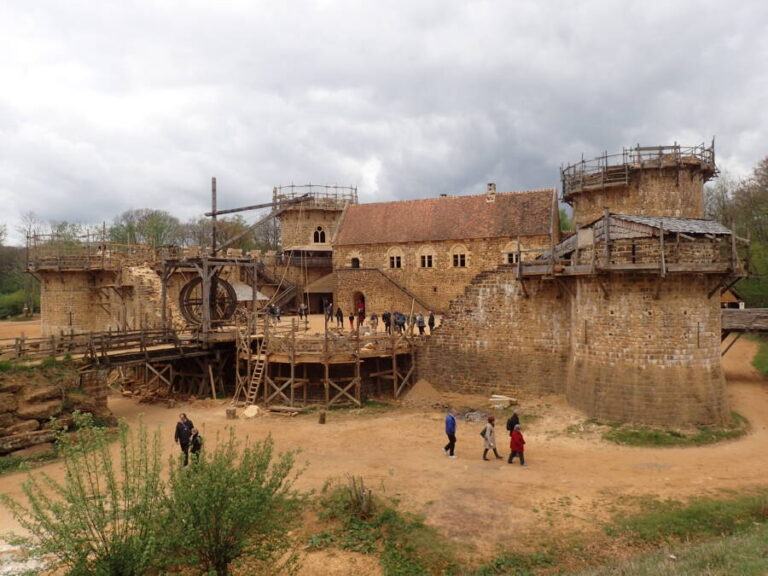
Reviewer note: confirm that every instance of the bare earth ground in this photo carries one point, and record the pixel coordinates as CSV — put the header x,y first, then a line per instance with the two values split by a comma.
x,y
571,482
14,329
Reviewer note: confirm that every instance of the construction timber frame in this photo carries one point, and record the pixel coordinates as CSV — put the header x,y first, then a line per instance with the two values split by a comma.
x,y
274,367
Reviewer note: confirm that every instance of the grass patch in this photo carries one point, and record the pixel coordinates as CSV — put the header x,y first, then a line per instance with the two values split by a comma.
x,y
760,361
670,520
515,563
363,522
744,554
10,464
659,437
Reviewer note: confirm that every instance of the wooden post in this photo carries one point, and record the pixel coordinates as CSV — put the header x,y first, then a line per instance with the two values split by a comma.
x,y
607,236
213,216
663,260
164,297
213,382
293,357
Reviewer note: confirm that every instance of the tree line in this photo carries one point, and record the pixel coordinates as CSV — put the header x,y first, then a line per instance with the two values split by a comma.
x,y
741,204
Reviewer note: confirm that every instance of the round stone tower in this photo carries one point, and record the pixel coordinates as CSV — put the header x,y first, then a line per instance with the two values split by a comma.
x,y
643,181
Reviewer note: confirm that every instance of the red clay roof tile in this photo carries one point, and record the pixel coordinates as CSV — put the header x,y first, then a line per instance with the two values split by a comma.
x,y
512,214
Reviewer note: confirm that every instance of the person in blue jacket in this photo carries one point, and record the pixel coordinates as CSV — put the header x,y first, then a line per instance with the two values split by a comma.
x,y
450,431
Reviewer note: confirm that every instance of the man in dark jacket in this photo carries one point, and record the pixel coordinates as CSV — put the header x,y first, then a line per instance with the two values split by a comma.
x,y
339,318
387,319
183,435
431,321
450,431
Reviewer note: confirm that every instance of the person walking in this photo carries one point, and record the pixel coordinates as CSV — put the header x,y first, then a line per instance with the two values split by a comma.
x,y
450,431
339,318
374,322
183,436
351,318
195,444
360,317
513,421
329,312
517,445
387,319
278,313
431,322
302,311
489,438
420,323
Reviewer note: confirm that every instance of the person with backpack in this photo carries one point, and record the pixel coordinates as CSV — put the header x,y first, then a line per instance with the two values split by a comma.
x,y
489,437
512,421
195,444
517,445
450,431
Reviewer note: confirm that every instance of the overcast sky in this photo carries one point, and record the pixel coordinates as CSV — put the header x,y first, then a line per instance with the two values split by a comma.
x,y
108,106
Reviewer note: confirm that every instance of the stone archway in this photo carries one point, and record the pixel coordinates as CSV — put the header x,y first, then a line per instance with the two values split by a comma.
x,y
358,301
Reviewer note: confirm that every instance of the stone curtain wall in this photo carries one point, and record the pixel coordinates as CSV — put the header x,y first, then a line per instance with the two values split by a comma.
x,y
436,286
495,340
651,192
628,358
297,226
641,359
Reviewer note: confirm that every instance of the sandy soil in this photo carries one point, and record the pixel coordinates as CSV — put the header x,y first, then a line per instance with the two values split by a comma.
x,y
571,481
14,329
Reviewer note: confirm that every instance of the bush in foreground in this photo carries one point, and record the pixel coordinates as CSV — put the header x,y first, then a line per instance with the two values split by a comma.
x,y
104,517
229,503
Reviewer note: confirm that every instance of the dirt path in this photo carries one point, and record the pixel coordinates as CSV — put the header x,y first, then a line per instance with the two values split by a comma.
x,y
570,480
14,329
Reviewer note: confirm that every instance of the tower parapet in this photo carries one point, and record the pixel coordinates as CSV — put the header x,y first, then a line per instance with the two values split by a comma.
x,y
644,181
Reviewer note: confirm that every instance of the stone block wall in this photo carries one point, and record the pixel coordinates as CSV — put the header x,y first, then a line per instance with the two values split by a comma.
x,y
651,192
496,340
636,358
380,293
77,302
298,225
436,286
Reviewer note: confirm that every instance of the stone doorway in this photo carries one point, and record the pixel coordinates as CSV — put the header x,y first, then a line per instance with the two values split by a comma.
x,y
358,301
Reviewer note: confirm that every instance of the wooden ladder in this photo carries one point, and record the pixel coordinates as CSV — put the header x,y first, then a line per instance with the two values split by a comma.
x,y
257,375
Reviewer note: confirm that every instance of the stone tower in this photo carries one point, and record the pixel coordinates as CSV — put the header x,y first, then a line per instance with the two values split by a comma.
x,y
645,181
310,225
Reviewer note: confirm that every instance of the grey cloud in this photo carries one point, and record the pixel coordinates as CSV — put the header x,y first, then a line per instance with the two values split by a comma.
x,y
113,105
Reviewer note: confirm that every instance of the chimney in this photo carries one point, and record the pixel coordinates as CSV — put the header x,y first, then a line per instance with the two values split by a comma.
x,y
490,195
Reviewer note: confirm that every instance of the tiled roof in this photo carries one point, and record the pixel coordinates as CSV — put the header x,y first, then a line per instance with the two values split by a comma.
x,y
511,214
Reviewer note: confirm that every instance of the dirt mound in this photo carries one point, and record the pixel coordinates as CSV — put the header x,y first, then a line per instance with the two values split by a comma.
x,y
423,394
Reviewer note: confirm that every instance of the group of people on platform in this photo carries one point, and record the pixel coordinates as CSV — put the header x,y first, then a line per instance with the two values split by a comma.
x,y
488,433
396,320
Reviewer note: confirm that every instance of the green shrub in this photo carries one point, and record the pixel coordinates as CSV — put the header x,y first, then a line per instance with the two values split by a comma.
x,y
12,304
229,503
103,518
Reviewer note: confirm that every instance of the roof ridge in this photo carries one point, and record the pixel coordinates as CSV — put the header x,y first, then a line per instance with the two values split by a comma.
x,y
548,190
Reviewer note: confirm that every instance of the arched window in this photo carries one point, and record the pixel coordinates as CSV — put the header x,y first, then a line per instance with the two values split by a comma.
x,y
426,257
319,236
355,262
459,256
510,254
395,258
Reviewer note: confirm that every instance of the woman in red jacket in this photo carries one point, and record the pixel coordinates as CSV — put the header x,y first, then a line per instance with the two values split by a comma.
x,y
517,445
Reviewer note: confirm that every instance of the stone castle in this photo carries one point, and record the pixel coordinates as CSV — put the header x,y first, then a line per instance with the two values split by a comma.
x,y
622,315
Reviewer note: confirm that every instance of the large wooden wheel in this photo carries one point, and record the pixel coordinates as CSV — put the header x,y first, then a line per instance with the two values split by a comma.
x,y
223,301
